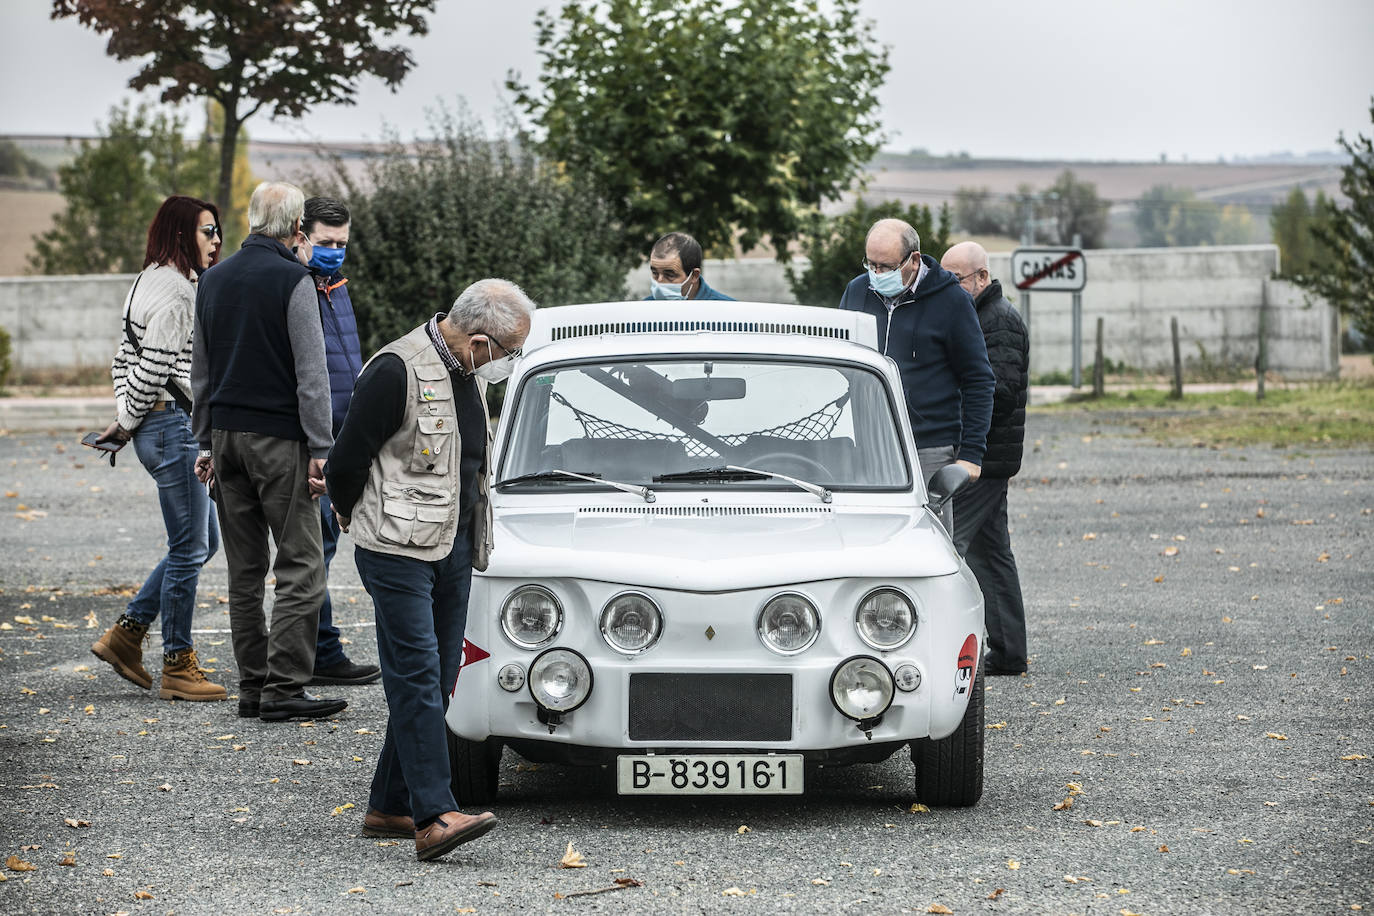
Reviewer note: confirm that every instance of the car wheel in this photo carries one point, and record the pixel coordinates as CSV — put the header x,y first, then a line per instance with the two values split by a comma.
x,y
475,770
949,772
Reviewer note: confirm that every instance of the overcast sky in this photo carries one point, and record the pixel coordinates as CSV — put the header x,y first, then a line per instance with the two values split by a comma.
x,y
1073,79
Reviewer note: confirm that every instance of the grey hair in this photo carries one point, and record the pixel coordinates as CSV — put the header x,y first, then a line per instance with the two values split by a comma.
x,y
491,306
911,240
274,209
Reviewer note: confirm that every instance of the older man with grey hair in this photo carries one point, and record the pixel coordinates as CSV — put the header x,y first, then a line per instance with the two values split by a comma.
x,y
408,480
261,389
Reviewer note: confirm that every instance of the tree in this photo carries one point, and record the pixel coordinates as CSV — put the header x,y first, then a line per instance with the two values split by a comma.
x,y
431,217
1347,235
1167,217
114,185
978,212
1076,211
112,189
23,169
713,119
251,54
1293,225
835,246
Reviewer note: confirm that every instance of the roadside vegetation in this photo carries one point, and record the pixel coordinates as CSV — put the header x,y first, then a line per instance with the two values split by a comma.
x,y
1334,415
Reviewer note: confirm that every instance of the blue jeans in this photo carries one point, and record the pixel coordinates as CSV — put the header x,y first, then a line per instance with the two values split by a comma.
x,y
166,448
421,609
329,651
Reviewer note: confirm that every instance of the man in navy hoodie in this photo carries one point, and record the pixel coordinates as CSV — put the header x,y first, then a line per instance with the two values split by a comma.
x,y
927,325
325,229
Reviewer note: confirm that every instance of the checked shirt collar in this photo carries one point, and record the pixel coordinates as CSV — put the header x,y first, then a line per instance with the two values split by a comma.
x,y
441,346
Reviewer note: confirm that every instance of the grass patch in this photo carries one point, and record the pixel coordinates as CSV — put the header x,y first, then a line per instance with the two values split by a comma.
x,y
1338,415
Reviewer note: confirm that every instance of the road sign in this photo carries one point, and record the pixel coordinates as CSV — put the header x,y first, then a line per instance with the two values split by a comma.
x,y
1049,270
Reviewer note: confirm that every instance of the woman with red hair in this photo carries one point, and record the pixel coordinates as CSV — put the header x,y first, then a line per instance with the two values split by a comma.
x,y
152,387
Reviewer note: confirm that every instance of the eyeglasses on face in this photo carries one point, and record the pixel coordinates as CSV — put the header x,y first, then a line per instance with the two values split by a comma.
x,y
504,349
210,231
885,268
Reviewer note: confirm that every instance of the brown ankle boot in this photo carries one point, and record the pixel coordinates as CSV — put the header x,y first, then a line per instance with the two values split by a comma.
x,y
182,679
122,647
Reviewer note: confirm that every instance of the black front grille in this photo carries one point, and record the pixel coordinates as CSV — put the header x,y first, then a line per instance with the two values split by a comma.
x,y
710,707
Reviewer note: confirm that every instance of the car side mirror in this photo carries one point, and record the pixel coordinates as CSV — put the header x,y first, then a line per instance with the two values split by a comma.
x,y
944,483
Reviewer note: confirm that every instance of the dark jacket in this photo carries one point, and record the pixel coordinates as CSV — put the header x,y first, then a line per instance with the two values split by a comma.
x,y
342,351
932,334
241,305
1009,353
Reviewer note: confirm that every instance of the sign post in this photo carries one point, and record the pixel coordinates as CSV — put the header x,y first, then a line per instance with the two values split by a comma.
x,y
1058,270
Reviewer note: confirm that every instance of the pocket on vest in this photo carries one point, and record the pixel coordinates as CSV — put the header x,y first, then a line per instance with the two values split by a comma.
x,y
433,439
414,516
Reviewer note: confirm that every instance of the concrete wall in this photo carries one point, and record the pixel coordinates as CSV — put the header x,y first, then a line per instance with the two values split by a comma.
x,y
63,323
1215,292
66,323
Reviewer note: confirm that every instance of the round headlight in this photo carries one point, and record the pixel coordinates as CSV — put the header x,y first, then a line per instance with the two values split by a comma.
x,y
511,678
631,623
531,616
861,688
885,619
560,680
789,624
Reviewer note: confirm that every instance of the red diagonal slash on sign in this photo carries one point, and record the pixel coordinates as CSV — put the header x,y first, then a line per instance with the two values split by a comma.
x,y
1048,269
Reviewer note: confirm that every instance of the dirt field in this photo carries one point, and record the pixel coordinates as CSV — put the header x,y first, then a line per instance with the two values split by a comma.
x,y
22,215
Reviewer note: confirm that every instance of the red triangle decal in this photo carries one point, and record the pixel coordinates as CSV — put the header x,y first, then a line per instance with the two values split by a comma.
x,y
472,653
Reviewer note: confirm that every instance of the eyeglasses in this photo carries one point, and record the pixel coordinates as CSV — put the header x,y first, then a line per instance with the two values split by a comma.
x,y
971,273
885,268
504,349
210,231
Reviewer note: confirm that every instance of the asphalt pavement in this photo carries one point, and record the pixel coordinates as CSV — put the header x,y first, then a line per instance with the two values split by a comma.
x,y
1195,735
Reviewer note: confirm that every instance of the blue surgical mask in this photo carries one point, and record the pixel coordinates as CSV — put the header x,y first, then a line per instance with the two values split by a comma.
x,y
886,284
327,260
664,290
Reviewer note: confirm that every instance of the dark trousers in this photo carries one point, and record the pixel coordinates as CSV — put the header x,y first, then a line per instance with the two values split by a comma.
x,y
329,650
421,609
261,487
981,535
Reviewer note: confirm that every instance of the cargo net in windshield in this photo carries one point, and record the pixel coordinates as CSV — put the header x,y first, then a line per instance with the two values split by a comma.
x,y
814,427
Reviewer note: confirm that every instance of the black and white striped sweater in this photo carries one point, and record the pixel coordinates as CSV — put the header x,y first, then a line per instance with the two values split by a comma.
x,y
161,310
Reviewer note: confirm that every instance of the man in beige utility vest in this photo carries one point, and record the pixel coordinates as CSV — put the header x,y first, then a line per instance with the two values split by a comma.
x,y
408,480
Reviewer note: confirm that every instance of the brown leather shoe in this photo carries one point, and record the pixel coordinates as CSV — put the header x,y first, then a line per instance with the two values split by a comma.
x,y
375,823
451,829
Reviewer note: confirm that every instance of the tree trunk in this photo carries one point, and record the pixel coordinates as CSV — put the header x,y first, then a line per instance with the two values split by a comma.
x,y
228,146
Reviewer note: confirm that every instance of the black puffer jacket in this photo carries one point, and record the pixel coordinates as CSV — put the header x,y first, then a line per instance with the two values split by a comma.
x,y
1009,353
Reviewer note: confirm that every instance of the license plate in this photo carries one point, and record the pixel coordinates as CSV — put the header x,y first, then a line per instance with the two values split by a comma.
x,y
711,774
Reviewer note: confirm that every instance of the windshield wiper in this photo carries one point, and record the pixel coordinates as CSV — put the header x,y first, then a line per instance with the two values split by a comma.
x,y
816,490
558,473
544,477
716,473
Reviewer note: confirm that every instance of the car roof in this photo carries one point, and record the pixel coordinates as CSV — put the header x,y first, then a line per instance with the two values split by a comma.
x,y
714,325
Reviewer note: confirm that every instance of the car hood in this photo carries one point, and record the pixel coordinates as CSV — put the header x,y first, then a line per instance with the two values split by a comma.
x,y
720,549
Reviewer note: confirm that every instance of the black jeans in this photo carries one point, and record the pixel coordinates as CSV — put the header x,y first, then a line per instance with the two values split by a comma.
x,y
981,535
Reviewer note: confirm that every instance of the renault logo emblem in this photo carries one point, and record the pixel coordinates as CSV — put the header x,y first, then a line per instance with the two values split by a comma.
x,y
710,632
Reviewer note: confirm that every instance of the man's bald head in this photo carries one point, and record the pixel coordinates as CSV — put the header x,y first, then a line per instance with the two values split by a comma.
x,y
893,244
968,261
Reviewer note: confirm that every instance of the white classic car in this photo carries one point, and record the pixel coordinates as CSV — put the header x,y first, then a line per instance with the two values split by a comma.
x,y
716,564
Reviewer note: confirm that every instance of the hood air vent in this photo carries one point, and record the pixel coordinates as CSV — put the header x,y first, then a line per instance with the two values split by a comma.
x,y
704,511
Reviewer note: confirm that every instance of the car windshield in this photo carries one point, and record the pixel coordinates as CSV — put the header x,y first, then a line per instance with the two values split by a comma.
x,y
635,422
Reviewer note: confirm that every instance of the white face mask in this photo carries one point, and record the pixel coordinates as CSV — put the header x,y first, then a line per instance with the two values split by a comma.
x,y
496,370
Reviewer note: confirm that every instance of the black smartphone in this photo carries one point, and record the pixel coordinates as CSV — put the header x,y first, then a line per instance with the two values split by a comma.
x,y
108,446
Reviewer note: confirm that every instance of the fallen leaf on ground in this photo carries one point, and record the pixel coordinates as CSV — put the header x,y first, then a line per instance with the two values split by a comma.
x,y
1276,736
744,828
1065,805
357,890
68,860
917,808
73,822
939,908
301,762
820,882
997,893
14,863
142,895
1013,865
571,858
733,892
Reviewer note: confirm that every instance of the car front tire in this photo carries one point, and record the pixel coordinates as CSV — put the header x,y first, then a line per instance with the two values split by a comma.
x,y
475,769
949,772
